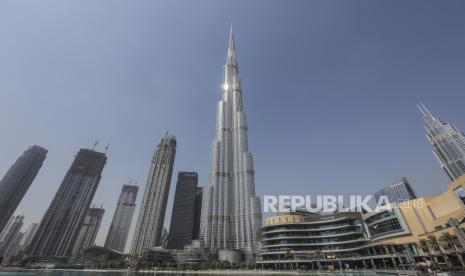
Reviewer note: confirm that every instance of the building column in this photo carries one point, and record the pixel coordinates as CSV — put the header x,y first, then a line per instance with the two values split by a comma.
x,y
394,263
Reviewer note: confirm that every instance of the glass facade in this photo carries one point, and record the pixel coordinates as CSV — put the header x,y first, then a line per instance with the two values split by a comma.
x,y
460,192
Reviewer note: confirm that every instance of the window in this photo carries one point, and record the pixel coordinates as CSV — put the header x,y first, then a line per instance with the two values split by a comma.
x,y
460,192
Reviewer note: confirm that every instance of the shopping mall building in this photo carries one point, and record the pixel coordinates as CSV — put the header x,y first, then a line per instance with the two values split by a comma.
x,y
387,239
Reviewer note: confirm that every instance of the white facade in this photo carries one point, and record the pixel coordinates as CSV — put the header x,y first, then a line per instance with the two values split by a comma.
x,y
448,144
149,228
231,215
9,235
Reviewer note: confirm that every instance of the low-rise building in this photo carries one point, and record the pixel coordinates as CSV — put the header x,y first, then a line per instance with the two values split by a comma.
x,y
413,233
323,241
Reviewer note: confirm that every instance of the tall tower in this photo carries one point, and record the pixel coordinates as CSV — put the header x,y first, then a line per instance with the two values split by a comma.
x,y
183,215
87,232
231,215
60,225
121,222
17,180
152,210
448,143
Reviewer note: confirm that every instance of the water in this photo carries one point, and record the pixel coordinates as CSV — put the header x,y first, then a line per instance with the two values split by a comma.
x,y
120,273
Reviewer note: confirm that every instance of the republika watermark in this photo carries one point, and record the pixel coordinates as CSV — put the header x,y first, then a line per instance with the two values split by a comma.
x,y
324,203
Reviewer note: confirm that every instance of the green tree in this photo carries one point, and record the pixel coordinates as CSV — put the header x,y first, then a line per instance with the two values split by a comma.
x,y
433,241
449,242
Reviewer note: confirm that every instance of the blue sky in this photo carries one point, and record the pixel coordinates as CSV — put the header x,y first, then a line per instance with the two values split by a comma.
x,y
330,89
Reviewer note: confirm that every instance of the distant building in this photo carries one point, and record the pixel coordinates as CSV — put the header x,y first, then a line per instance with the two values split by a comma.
x,y
397,192
119,228
164,238
28,236
94,256
195,252
448,144
59,228
152,210
183,217
154,257
13,251
9,236
17,181
87,232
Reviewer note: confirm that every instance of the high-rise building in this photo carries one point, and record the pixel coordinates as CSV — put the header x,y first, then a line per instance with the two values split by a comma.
x,y
119,228
397,192
152,210
231,215
87,232
62,221
197,212
9,235
28,236
183,215
17,181
448,143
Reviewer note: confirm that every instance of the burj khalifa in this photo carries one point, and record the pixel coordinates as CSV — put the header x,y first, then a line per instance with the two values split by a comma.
x,y
231,214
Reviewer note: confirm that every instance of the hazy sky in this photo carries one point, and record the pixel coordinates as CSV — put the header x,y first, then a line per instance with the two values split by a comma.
x,y
330,89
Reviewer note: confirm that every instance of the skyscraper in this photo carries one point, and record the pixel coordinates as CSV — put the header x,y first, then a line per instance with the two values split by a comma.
x,y
87,232
397,192
183,215
119,228
9,236
448,143
17,181
152,210
62,221
231,215
197,212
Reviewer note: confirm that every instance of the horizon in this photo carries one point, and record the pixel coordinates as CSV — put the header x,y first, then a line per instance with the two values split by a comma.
x,y
330,92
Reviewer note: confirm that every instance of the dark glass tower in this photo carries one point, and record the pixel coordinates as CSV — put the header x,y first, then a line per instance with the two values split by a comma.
x,y
197,212
152,210
119,228
62,221
183,215
17,181
397,192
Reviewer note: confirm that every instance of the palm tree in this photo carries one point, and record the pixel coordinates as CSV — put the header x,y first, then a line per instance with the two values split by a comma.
x,y
424,245
433,241
449,241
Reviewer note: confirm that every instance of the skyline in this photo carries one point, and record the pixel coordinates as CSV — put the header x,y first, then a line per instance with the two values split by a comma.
x,y
372,134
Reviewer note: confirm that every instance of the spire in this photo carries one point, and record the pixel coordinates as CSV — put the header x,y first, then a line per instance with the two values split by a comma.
x,y
425,112
232,45
231,56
